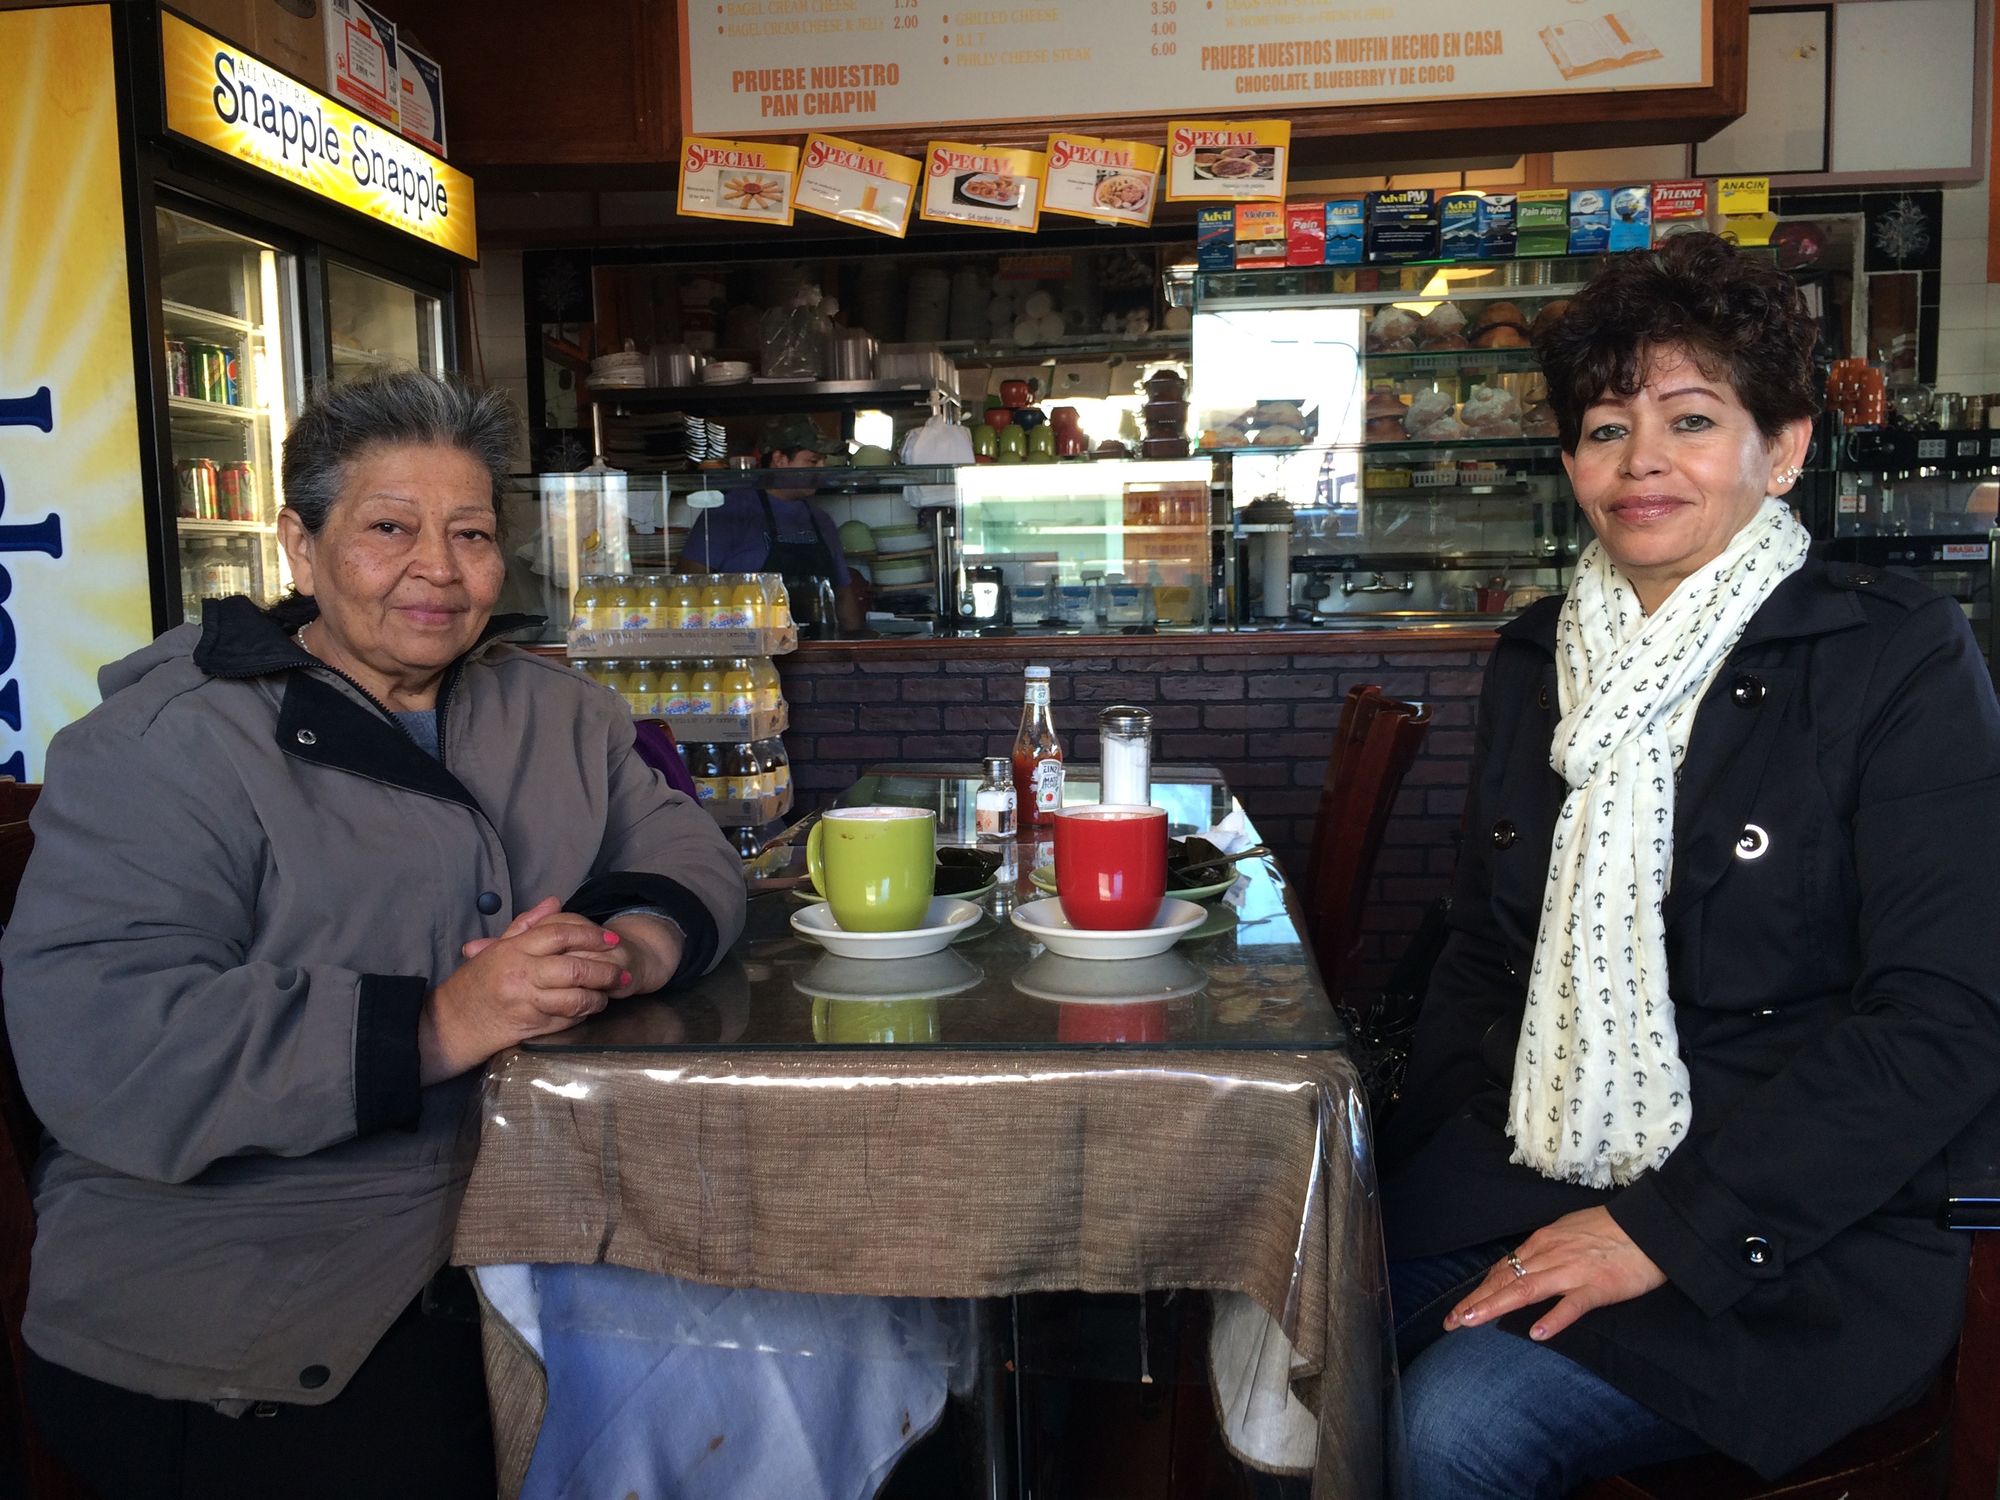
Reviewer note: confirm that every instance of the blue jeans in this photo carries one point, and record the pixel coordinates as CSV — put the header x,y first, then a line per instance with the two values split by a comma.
x,y
1492,1416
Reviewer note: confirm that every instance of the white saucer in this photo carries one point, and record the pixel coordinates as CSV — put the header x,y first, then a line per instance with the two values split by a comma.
x,y
1078,981
947,918
1044,922
932,976
1043,878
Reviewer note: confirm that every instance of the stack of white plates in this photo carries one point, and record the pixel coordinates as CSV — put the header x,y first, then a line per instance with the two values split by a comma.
x,y
629,368
902,572
725,372
902,541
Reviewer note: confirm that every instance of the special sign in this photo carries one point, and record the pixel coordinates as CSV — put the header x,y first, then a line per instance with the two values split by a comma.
x,y
230,101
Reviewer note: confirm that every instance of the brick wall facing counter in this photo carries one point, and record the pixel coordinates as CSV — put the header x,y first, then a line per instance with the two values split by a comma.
x,y
1262,710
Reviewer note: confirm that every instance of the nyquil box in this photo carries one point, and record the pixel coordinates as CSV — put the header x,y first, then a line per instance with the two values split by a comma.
x,y
1346,227
1496,225
1458,226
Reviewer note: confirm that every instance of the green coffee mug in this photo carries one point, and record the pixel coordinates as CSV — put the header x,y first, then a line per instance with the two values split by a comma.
x,y
875,865
877,1022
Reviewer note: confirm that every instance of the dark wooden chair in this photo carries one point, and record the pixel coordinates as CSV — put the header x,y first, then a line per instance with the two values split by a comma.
x,y
1372,751
26,1467
1946,1447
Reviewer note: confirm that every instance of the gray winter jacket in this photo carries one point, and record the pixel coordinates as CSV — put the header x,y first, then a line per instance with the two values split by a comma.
x,y
245,879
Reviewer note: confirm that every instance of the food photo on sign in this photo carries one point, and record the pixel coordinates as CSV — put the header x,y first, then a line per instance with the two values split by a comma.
x,y
1236,161
737,180
1115,182
987,186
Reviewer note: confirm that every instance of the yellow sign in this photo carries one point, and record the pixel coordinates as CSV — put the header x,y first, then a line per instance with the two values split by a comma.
x,y
73,590
1743,195
857,184
1228,161
224,98
1089,178
741,180
986,185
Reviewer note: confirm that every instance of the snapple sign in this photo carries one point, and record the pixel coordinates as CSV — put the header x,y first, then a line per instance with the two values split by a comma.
x,y
44,536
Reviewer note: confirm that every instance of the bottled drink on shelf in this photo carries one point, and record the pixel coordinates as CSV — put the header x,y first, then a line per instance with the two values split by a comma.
x,y
742,773
777,765
1038,755
705,688
587,604
777,600
621,604
656,601
706,763
747,610
611,672
684,604
739,687
642,689
673,688
770,690
715,602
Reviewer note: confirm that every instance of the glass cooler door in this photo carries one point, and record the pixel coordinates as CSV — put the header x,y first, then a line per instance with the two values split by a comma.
x,y
232,374
376,324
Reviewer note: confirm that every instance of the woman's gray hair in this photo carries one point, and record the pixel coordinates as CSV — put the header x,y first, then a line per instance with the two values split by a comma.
x,y
341,422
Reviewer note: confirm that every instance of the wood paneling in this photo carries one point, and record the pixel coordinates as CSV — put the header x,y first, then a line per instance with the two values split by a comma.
x,y
532,84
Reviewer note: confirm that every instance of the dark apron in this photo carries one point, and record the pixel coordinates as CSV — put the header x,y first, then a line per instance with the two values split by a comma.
x,y
796,562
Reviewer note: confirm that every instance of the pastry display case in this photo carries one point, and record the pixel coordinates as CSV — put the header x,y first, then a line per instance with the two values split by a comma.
x,y
1385,441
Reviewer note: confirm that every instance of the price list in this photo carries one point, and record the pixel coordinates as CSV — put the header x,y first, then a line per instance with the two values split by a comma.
x,y
788,66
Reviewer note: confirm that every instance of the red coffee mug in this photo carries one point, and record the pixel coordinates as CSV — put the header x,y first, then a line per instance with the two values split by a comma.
x,y
1143,1021
1111,865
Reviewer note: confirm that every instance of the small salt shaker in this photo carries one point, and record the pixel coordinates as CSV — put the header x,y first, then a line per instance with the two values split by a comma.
x,y
1125,754
994,804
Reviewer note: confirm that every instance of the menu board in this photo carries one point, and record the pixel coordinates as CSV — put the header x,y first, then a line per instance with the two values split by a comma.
x,y
857,184
965,184
774,67
1227,161
1116,182
737,180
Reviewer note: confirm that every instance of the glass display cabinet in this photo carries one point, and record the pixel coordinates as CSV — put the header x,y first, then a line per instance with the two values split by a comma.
x,y
1385,442
1922,502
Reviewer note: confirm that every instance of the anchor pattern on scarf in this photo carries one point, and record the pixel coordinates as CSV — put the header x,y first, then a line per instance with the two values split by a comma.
x,y
1630,685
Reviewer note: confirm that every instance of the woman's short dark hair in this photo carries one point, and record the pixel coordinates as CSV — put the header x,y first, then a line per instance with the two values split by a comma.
x,y
1739,316
342,422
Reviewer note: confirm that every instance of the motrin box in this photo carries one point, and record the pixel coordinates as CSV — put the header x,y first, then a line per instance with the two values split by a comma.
x,y
1346,231
361,67
1260,234
1402,225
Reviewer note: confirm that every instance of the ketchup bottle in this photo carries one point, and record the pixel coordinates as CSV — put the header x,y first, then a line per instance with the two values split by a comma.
x,y
1038,756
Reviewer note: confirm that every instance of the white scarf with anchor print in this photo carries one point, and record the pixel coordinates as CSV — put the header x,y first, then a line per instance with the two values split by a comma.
x,y
1600,1093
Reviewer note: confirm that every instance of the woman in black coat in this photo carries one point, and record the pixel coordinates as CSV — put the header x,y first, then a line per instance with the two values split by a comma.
x,y
1722,990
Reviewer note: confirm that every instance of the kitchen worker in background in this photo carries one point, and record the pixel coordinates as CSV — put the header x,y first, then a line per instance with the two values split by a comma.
x,y
778,529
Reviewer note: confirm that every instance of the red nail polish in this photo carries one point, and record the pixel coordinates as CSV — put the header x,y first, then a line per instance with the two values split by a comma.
x,y
610,938
625,976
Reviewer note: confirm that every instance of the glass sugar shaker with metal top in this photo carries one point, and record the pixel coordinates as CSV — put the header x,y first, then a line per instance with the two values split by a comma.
x,y
1125,754
995,804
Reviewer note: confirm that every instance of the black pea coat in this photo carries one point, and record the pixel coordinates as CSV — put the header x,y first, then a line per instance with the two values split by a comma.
x,y
1834,955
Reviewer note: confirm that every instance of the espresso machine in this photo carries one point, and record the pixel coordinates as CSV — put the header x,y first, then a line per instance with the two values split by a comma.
x,y
1923,503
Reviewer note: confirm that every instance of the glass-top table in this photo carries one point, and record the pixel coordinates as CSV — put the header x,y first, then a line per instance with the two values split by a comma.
x,y
1243,979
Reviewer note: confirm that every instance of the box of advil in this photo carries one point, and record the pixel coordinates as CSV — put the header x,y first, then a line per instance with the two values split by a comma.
x,y
1402,225
1215,238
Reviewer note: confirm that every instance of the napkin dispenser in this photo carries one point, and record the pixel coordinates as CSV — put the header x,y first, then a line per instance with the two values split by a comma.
x,y
982,601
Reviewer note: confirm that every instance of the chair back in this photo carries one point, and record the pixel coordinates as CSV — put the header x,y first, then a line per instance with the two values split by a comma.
x,y
1372,750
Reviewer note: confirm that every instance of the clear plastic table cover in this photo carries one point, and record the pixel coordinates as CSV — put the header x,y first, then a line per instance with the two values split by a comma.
x,y
982,1123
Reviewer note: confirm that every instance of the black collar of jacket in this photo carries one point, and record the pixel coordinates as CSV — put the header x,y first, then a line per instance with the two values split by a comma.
x,y
1818,599
317,721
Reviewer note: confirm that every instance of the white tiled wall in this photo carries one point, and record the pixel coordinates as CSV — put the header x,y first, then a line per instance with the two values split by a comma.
x,y
501,356
1968,309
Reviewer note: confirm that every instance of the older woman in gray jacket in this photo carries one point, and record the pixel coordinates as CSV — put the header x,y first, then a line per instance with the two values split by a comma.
x,y
296,879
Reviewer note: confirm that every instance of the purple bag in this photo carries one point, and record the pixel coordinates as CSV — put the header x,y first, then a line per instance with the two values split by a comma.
x,y
656,747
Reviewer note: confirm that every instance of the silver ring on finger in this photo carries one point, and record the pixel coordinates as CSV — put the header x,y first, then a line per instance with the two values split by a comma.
x,y
1514,1265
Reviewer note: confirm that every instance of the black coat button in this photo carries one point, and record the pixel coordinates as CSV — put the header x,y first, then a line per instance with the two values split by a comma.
x,y
1542,697
1752,842
312,1377
488,903
1756,1250
1503,835
1748,691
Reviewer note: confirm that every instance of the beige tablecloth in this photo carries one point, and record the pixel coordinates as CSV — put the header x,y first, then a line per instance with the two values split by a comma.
x,y
952,1174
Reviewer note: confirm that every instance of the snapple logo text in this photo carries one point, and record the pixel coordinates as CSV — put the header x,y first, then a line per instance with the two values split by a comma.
x,y
44,536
